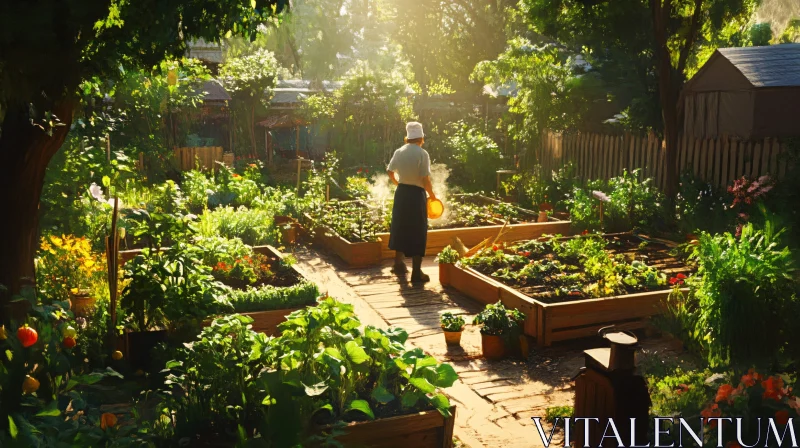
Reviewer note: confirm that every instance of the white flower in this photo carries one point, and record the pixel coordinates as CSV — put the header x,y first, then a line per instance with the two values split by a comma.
x,y
191,216
96,192
111,202
601,196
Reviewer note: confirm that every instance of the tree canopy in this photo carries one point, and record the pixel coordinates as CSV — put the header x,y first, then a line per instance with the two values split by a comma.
x,y
48,48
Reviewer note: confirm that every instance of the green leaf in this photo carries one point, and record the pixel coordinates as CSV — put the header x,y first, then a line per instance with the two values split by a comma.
x,y
361,406
445,375
426,362
50,411
12,427
106,181
382,395
441,403
316,389
423,385
355,353
410,398
334,352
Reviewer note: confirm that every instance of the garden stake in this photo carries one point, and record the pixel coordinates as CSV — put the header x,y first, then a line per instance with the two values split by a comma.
x,y
112,252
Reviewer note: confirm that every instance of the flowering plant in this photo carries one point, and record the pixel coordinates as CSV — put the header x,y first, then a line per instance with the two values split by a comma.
x,y
756,396
746,193
249,268
67,265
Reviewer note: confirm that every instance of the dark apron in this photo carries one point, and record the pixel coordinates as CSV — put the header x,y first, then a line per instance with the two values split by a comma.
x,y
409,232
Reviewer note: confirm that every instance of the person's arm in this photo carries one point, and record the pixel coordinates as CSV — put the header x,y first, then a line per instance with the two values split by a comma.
x,y
392,177
428,187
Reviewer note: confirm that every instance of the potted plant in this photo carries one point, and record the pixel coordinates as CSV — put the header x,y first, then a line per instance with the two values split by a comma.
x,y
501,330
446,258
452,326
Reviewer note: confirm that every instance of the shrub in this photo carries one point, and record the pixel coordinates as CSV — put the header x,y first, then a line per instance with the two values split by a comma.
x,y
477,158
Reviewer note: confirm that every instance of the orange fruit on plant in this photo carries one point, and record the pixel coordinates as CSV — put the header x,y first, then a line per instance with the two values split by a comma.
x,y
116,356
68,342
108,420
30,385
3,334
27,336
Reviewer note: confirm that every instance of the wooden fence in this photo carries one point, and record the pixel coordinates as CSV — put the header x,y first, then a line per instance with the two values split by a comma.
x,y
718,161
206,156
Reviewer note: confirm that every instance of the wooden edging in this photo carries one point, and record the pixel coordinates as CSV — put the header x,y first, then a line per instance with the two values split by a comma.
x,y
358,255
552,322
428,429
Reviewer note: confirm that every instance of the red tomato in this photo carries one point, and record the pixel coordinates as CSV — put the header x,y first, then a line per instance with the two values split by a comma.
x,y
27,336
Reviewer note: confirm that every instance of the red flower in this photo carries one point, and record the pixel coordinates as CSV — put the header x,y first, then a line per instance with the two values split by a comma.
x,y
527,253
680,276
782,417
709,412
750,379
675,281
585,232
682,388
495,248
359,171
725,393
773,388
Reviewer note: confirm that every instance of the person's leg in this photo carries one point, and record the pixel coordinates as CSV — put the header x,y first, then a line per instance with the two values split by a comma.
x,y
399,263
416,274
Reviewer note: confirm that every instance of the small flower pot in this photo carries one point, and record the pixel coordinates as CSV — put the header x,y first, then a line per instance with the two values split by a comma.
x,y
452,337
444,273
82,305
542,216
493,346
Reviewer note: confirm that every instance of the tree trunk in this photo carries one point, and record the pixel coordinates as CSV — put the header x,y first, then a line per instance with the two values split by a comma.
x,y
668,93
253,129
25,151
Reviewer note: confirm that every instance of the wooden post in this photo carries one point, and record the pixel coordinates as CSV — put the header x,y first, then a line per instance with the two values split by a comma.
x,y
297,142
299,165
108,147
266,142
112,254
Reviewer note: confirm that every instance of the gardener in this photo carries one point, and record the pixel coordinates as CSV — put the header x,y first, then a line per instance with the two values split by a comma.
x,y
409,234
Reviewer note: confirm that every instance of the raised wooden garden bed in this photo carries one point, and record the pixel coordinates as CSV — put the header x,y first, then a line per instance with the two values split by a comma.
x,y
566,320
263,321
363,254
427,429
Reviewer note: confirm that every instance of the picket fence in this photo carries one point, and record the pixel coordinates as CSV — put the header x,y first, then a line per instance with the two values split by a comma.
x,y
717,161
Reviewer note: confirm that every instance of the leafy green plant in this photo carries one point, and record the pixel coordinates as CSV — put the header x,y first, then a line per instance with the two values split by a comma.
x,y
450,322
743,280
170,287
268,297
496,320
562,412
448,255
477,157
253,226
354,373
627,203
212,384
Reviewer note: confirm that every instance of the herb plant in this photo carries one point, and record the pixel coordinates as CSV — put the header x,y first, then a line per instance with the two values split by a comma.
x,y
448,255
451,322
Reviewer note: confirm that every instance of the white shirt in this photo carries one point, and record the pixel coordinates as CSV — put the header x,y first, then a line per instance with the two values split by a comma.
x,y
411,163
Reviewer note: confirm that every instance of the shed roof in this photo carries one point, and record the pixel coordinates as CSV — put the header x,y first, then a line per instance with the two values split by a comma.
x,y
767,66
214,91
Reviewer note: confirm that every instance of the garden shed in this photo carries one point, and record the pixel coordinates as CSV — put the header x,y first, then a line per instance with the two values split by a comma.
x,y
750,93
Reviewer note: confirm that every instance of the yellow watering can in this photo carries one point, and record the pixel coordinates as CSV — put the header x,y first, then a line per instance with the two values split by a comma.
x,y
435,208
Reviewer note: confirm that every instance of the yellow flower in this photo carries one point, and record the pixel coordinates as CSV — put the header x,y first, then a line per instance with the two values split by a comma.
x,y
58,242
74,290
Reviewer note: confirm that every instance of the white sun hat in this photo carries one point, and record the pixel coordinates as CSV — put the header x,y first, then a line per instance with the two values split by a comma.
x,y
414,130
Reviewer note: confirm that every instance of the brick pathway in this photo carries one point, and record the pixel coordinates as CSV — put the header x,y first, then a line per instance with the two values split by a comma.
x,y
496,399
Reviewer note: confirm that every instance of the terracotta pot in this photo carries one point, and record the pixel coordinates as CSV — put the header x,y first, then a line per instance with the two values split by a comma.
x,y
82,305
493,346
444,273
288,227
542,216
452,337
